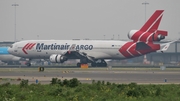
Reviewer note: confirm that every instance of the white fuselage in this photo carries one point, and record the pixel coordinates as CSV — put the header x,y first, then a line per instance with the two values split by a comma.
x,y
42,49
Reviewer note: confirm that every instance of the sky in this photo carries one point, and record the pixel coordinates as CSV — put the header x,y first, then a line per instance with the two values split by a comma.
x,y
83,19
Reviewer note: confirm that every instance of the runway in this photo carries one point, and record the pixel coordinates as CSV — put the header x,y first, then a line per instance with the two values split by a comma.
x,y
114,75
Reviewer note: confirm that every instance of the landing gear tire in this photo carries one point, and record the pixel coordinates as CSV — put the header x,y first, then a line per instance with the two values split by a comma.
x,y
28,64
102,63
41,69
78,64
93,64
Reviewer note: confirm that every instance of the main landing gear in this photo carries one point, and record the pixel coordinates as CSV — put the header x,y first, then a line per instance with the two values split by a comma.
x,y
82,61
99,63
28,63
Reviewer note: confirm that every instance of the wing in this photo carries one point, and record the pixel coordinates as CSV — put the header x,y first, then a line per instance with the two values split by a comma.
x,y
72,52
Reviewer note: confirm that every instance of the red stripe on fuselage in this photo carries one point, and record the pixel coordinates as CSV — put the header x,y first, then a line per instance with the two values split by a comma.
x,y
133,51
123,49
136,35
32,45
128,51
23,49
29,44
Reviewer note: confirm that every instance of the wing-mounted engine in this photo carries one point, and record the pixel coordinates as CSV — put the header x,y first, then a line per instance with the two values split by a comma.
x,y
57,58
150,36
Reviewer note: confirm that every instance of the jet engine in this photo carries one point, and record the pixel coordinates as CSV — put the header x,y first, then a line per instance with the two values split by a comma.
x,y
57,58
131,35
159,35
150,36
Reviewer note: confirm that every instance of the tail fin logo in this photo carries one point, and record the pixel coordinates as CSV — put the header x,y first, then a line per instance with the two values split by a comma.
x,y
153,22
28,46
149,31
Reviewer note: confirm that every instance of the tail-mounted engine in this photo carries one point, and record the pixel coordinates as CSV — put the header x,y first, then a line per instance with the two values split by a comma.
x,y
56,58
157,35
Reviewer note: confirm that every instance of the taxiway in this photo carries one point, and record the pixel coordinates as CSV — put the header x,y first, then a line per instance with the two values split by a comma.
x,y
114,75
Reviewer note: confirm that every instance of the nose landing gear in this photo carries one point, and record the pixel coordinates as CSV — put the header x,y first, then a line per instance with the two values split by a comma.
x,y
28,63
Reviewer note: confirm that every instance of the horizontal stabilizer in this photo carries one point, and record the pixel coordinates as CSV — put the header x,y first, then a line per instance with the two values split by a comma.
x,y
142,46
165,46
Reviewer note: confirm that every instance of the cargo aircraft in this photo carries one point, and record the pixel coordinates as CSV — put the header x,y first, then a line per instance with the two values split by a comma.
x,y
142,41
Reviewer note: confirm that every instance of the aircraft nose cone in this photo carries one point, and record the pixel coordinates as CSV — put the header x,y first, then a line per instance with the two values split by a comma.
x,y
9,50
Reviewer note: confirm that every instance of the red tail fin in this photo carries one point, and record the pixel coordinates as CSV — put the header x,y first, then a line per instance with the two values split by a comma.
x,y
153,22
149,31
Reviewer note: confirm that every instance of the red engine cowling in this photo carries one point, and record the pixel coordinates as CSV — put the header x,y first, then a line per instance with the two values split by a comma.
x,y
136,35
56,58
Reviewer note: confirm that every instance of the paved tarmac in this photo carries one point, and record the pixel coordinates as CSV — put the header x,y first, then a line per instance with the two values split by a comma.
x,y
114,75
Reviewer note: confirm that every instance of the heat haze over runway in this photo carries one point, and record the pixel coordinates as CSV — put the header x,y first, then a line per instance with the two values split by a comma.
x,y
114,75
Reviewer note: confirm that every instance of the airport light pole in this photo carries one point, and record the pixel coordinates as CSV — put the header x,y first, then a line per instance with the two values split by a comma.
x,y
145,3
15,20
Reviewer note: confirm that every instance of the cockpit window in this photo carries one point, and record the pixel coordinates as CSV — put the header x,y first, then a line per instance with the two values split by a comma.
x,y
11,46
